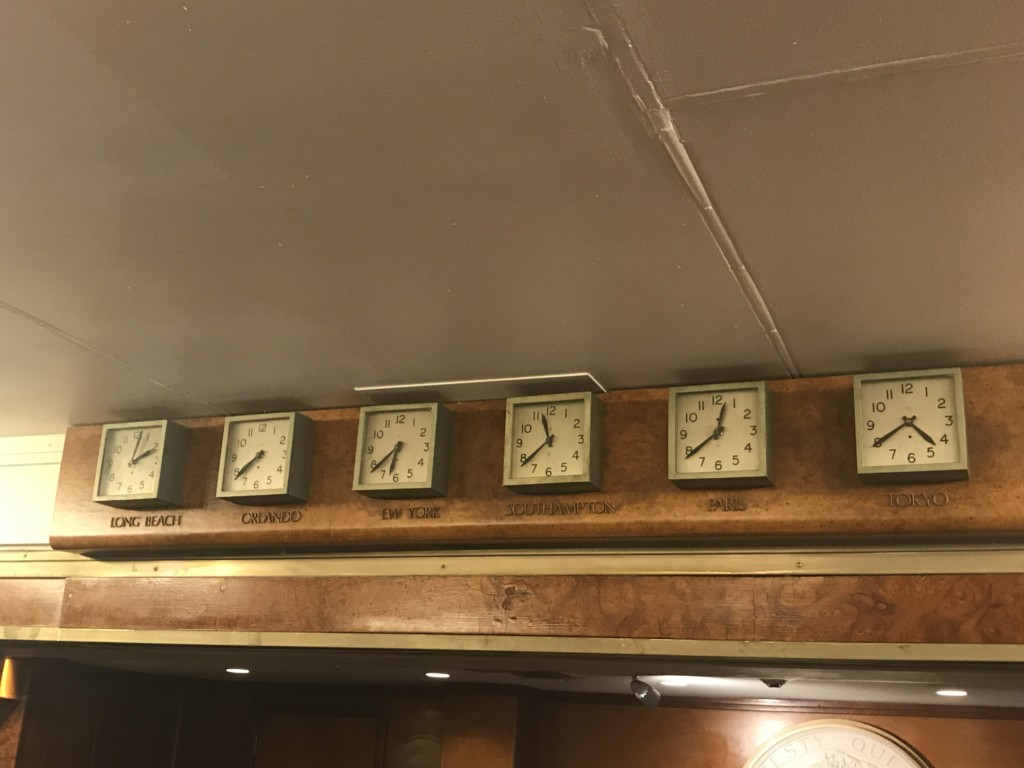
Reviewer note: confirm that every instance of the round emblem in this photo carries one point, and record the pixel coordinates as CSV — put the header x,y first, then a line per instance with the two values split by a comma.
x,y
836,744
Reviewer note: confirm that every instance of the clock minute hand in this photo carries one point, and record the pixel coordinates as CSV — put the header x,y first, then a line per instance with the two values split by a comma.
x,y
877,442
910,423
249,464
713,436
394,456
375,465
544,423
143,455
550,441
721,417
135,450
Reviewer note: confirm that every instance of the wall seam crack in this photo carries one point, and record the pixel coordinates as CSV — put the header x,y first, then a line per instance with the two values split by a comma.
x,y
82,344
659,122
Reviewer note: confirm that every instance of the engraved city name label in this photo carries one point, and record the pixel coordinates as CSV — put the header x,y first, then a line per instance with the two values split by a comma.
x,y
410,513
146,521
726,505
559,508
271,517
835,744
903,500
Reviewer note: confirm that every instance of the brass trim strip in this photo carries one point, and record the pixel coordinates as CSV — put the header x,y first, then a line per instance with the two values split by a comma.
x,y
48,565
590,646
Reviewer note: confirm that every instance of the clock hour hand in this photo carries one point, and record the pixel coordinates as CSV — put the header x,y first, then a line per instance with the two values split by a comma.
x,y
141,456
721,417
375,465
249,464
544,423
549,441
910,423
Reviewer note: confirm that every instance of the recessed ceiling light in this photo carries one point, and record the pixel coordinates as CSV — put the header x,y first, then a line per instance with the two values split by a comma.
x,y
951,692
438,675
681,681
237,671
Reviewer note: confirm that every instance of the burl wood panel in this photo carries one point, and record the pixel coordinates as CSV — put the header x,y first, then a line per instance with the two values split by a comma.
x,y
929,609
30,602
607,736
11,715
817,494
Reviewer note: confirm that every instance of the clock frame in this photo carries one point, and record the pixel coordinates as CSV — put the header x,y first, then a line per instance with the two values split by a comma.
x,y
579,417
166,488
295,461
429,442
926,407
738,412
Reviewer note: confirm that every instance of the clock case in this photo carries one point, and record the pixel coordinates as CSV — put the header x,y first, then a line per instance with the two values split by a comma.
x,y
438,457
749,478
298,470
168,489
912,473
590,480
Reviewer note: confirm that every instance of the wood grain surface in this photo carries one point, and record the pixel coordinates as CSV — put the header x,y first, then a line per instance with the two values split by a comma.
x,y
30,602
817,494
885,609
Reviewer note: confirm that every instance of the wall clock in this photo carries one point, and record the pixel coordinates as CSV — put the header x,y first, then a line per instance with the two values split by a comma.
x,y
553,443
402,451
910,426
141,465
718,436
836,744
266,458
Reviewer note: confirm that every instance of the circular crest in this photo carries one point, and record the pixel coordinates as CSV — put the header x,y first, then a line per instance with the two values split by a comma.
x,y
836,744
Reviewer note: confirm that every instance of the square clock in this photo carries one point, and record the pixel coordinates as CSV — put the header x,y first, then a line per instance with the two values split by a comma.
x,y
266,458
910,426
141,465
553,443
402,451
718,436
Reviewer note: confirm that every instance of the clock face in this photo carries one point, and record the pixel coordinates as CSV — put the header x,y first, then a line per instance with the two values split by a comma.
x,y
399,450
139,464
550,443
266,459
718,435
911,424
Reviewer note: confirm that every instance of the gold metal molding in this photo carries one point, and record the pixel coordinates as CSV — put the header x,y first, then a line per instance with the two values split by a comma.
x,y
585,646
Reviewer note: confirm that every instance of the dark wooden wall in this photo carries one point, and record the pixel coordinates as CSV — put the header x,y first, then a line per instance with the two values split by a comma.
x,y
93,718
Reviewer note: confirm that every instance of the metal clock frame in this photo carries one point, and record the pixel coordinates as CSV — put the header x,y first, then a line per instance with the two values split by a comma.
x,y
747,478
298,470
167,491
589,480
438,457
912,473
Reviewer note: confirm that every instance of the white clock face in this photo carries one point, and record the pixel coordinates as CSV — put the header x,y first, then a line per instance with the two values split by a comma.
x,y
718,431
397,447
909,421
131,461
549,440
256,457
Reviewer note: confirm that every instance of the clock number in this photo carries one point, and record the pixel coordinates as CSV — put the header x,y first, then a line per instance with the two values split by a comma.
x,y
255,484
282,440
576,424
547,472
689,450
408,473
111,478
888,394
716,399
526,428
279,468
426,446
575,454
519,442
423,431
682,434
369,448
129,489
387,423
551,410
753,429
117,449
907,389
250,432
565,467
534,467
701,460
580,439
746,413
700,405
877,407
263,427
690,418
870,425
893,452
400,418
378,433
270,479
142,485
942,403
394,478
931,452
748,448
943,439
718,464
420,462
911,458
110,464
949,421
735,460
241,442
522,459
